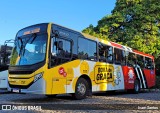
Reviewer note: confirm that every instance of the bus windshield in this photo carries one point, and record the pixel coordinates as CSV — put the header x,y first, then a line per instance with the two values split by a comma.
x,y
29,50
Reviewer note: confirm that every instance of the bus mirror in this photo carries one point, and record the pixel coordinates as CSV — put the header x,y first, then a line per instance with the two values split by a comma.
x,y
60,45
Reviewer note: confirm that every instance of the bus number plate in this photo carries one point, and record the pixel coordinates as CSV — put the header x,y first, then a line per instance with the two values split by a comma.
x,y
16,90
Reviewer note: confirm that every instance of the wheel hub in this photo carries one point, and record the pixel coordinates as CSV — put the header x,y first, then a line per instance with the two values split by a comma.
x,y
81,89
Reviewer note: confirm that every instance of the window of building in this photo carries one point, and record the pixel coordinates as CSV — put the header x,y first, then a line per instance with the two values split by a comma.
x,y
87,49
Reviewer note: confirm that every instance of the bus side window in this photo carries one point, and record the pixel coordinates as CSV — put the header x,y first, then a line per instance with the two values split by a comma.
x,y
102,52
87,49
119,56
131,59
105,53
60,51
61,48
149,63
153,65
140,61
109,54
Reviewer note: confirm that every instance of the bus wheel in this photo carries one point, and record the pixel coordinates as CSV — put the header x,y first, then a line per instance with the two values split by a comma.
x,y
81,89
136,89
51,96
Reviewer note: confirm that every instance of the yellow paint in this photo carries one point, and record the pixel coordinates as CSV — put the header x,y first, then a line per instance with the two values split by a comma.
x,y
22,76
76,63
84,68
92,78
58,86
69,81
103,87
89,36
104,41
104,73
22,82
74,83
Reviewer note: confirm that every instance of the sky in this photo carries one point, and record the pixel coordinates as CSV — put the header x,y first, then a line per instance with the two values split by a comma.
x,y
74,14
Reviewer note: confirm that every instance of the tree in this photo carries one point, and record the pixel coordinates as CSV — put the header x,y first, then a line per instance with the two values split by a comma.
x,y
134,23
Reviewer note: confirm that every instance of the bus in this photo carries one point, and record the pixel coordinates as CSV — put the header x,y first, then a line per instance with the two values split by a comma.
x,y
51,59
5,52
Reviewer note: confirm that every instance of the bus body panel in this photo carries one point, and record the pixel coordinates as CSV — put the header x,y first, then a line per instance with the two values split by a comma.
x,y
150,78
3,79
129,77
65,76
25,83
38,87
62,79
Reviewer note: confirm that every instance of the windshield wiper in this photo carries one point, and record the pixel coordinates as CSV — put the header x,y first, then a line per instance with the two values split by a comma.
x,y
34,37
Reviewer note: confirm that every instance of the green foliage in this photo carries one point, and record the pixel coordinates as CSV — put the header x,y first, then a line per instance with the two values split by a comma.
x,y
134,23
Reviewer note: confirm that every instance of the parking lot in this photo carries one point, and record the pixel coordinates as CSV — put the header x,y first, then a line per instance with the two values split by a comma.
x,y
146,100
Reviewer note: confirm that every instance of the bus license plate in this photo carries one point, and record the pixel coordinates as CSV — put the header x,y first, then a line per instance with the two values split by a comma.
x,y
16,90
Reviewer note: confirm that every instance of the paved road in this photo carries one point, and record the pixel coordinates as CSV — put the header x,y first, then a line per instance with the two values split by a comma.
x,y
122,101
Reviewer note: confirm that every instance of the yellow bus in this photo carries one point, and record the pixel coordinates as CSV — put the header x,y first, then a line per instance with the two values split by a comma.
x,y
50,59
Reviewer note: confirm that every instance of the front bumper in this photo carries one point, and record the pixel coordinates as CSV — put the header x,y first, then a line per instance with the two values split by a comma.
x,y
38,87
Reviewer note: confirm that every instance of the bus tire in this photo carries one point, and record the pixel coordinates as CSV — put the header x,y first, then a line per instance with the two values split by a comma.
x,y
136,89
81,89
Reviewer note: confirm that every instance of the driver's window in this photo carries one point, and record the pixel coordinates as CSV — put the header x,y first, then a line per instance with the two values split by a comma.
x,y
60,51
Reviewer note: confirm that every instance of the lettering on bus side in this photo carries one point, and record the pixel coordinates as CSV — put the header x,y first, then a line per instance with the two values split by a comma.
x,y
104,73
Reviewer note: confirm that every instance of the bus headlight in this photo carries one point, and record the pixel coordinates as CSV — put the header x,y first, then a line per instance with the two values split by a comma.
x,y
38,76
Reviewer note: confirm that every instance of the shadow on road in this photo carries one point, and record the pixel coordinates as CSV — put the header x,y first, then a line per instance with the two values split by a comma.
x,y
144,94
44,99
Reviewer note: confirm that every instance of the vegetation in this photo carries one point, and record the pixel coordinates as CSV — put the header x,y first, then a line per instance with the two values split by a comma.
x,y
134,23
